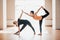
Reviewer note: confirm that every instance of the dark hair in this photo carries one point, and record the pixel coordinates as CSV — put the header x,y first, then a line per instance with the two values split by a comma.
x,y
14,22
32,12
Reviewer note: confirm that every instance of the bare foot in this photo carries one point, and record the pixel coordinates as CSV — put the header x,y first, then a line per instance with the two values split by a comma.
x,y
17,33
40,34
34,33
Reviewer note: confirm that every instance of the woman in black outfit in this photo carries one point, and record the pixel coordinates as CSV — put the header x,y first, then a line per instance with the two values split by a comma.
x,y
24,22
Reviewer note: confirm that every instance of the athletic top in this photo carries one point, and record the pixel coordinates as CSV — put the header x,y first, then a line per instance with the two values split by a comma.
x,y
21,21
40,17
37,17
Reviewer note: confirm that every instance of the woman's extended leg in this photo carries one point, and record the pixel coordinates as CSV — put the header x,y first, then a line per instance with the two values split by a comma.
x,y
31,27
24,25
19,30
47,13
40,23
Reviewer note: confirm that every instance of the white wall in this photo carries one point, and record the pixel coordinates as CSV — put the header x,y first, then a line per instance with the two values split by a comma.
x,y
57,14
1,14
48,6
4,15
54,14
10,11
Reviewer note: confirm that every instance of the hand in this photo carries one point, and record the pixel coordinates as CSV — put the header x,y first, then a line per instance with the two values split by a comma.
x,y
42,7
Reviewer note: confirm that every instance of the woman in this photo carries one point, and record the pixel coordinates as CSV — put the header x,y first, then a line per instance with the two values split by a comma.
x,y
36,17
24,22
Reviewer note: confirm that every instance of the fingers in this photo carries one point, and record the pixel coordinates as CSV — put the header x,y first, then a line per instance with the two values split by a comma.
x,y
42,7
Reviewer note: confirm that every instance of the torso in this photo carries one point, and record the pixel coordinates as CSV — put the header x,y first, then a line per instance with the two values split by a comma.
x,y
21,21
37,17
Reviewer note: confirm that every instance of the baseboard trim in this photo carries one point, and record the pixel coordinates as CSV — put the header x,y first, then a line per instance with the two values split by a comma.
x,y
48,25
57,29
1,29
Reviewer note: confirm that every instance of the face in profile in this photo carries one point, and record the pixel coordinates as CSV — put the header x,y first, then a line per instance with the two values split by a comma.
x,y
32,13
15,22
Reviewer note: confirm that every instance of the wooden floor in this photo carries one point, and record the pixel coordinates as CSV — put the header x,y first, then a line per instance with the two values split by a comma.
x,y
51,35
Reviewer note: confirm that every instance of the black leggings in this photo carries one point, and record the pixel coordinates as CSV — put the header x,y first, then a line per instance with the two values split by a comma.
x,y
40,21
25,23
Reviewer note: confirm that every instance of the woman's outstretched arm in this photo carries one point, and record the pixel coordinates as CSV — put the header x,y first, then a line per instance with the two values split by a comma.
x,y
21,14
38,10
26,13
